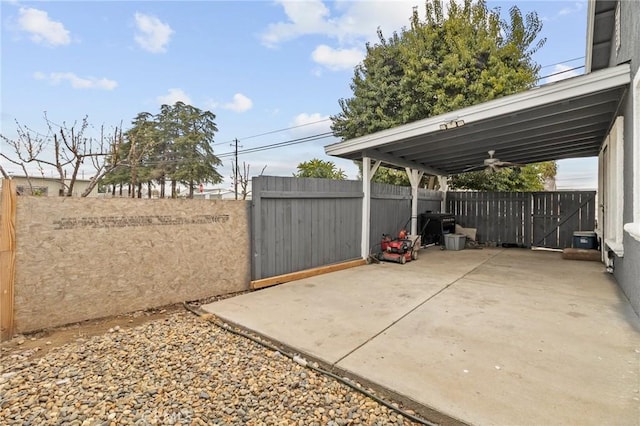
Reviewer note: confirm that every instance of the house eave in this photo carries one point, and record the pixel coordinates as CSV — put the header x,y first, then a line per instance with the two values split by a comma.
x,y
421,137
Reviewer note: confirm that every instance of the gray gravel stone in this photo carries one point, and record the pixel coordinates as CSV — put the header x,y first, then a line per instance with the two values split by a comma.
x,y
176,370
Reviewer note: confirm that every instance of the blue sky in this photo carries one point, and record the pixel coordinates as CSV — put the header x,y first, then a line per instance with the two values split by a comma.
x,y
260,66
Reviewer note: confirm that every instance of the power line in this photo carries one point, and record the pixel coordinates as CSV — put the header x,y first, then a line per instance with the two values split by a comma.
x,y
327,134
287,128
276,131
560,72
282,144
329,119
563,62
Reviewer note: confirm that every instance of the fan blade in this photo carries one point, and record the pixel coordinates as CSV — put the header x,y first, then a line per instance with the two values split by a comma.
x,y
508,164
471,168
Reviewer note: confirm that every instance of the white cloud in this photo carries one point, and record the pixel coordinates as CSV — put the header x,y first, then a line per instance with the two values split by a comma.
x,y
240,103
42,28
337,59
561,72
576,8
351,22
77,82
174,95
307,17
153,34
310,124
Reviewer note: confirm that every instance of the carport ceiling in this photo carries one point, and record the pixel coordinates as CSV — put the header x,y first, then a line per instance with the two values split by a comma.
x,y
565,119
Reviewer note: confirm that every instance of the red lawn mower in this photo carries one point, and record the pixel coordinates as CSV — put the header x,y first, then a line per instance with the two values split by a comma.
x,y
400,250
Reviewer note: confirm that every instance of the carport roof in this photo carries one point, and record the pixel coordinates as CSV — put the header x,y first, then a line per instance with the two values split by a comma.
x,y
565,119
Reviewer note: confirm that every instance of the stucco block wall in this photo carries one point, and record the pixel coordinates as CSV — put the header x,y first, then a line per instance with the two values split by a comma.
x,y
629,31
627,268
627,271
81,258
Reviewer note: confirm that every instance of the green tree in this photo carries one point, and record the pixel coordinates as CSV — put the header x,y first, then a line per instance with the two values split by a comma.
x,y
317,168
173,146
440,64
186,136
391,176
386,175
531,177
141,139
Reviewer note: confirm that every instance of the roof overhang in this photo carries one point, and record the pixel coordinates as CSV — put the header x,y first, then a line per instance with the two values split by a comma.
x,y
565,119
600,34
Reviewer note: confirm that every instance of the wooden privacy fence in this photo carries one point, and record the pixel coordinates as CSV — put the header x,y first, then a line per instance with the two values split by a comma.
x,y
391,209
539,219
7,258
299,224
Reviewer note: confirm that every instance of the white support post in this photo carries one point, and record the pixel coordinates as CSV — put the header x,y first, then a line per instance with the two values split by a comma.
x,y
415,177
367,175
444,187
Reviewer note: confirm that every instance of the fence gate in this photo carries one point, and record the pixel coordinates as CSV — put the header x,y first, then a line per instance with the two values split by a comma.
x,y
556,215
540,219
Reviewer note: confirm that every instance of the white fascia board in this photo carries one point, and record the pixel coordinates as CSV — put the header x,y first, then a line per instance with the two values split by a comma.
x,y
591,18
373,140
538,96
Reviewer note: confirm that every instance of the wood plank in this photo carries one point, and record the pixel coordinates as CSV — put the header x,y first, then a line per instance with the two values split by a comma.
x,y
389,196
256,228
527,216
560,221
581,254
293,276
7,259
311,194
310,216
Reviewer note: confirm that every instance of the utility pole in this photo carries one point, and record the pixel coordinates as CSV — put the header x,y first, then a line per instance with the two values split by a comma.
x,y
235,170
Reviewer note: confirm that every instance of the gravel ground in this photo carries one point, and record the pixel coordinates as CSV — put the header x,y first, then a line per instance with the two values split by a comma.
x,y
176,370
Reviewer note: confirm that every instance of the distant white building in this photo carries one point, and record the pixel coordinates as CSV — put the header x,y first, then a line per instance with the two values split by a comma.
x,y
50,187
219,194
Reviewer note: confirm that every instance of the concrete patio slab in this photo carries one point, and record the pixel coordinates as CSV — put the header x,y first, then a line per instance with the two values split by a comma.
x,y
500,336
327,316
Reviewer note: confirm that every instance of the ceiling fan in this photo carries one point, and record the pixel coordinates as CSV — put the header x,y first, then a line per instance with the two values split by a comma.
x,y
492,164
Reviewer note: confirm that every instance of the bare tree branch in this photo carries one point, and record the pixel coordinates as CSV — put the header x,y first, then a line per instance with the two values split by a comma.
x,y
70,149
4,174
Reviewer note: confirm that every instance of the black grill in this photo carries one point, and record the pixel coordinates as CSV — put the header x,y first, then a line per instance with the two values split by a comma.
x,y
437,226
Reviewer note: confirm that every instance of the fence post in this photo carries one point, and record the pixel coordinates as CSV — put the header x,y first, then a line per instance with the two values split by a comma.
x,y
7,258
257,183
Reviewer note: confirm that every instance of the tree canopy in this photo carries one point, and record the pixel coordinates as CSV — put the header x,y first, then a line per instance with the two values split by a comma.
x,y
173,146
510,179
439,64
317,168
